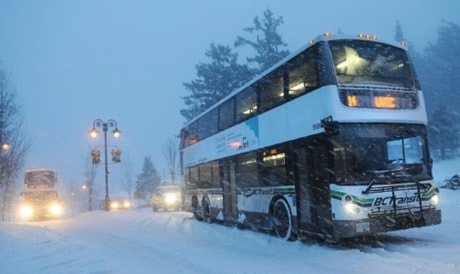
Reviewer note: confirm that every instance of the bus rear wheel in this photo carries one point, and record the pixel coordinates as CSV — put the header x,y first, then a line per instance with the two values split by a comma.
x,y
206,212
282,220
195,209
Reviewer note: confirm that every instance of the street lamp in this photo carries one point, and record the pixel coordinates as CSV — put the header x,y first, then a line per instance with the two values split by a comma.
x,y
112,124
4,145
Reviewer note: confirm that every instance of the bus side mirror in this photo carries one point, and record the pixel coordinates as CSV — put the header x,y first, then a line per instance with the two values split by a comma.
x,y
330,126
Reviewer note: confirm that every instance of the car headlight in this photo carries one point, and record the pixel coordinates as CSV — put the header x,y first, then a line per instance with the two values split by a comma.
x,y
56,209
114,205
170,198
26,211
126,204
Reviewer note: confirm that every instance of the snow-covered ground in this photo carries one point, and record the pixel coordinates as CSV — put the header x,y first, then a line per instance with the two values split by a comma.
x,y
141,241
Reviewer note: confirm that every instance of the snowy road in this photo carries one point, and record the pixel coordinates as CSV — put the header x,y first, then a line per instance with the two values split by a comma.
x,y
141,241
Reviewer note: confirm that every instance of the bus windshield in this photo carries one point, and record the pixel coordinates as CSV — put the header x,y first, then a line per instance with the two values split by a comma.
x,y
360,62
365,151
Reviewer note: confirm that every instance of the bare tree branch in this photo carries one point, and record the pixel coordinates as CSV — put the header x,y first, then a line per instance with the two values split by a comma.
x,y
170,151
12,133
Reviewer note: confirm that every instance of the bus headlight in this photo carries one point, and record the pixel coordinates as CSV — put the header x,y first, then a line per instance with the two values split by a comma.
x,y
26,211
352,209
349,207
55,209
434,200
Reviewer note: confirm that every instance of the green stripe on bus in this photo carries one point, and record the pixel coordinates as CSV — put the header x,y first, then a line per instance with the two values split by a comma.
x,y
355,199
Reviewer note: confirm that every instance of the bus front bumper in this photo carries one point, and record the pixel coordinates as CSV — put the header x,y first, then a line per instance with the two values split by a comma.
x,y
385,223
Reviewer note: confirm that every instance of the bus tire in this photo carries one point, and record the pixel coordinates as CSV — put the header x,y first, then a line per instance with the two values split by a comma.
x,y
195,210
206,212
282,220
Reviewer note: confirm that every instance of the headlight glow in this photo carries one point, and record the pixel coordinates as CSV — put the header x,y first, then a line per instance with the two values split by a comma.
x,y
114,205
56,209
434,200
170,198
126,204
352,209
26,211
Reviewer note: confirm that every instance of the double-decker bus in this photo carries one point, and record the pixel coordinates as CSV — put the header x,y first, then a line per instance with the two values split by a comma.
x,y
329,142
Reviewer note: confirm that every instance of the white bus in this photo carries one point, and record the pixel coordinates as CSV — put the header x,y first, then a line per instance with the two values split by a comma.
x,y
329,142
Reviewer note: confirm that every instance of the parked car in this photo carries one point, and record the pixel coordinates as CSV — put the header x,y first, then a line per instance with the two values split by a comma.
x,y
167,197
119,204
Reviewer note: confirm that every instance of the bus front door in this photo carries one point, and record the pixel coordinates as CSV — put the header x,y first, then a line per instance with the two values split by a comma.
x,y
229,191
313,192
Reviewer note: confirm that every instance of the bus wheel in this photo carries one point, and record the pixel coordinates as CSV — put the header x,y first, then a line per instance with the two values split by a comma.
x,y
206,212
195,209
282,220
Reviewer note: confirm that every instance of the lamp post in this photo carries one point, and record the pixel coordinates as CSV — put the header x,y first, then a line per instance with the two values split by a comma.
x,y
98,123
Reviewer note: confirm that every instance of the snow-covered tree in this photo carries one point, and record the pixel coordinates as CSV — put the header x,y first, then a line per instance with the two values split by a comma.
x,y
267,44
147,180
215,79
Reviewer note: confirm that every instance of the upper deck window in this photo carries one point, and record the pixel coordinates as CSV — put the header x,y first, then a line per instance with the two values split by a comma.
x,y
302,73
369,63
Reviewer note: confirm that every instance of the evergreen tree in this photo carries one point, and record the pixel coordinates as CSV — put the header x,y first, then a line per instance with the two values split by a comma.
x,y
215,80
438,72
147,180
399,36
443,67
443,132
267,42
416,57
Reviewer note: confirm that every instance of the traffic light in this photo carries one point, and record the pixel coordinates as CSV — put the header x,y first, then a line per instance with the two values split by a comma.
x,y
96,156
116,153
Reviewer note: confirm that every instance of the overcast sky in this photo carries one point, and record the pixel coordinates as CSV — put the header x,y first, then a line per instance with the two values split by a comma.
x,y
72,62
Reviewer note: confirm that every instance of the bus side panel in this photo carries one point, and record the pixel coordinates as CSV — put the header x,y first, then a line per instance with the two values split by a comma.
x,y
254,204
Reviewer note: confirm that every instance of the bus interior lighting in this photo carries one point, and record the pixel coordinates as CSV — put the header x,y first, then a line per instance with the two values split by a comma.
x,y
298,86
274,157
250,110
